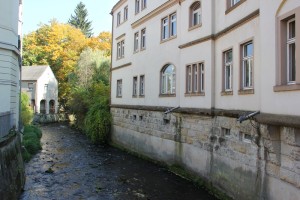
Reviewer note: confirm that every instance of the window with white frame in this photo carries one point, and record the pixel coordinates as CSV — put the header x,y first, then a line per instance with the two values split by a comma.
x,y
195,14
119,88
136,42
142,85
120,49
227,84
144,4
173,30
195,78
169,27
233,2
137,6
189,79
134,86
30,86
165,28
125,13
247,65
118,18
291,51
202,76
46,87
143,38
287,53
168,83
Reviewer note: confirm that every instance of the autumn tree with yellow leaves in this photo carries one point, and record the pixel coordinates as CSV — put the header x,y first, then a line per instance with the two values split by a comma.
x,y
59,46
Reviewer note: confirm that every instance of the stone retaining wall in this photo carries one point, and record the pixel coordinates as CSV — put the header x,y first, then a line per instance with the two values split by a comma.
x,y
12,172
50,118
247,161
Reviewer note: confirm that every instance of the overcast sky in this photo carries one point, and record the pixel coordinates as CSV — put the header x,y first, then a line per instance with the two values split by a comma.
x,y
42,11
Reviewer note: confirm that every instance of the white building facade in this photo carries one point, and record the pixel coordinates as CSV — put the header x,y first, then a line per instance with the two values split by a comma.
x,y
41,86
10,68
208,63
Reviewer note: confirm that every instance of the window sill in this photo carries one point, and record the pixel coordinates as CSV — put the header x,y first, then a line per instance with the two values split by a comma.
x,y
226,93
142,96
118,96
134,96
118,25
195,27
168,39
194,94
246,91
234,6
120,58
286,88
167,95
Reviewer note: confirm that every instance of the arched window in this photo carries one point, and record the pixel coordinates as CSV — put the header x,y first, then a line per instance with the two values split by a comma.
x,y
51,106
195,14
168,79
43,106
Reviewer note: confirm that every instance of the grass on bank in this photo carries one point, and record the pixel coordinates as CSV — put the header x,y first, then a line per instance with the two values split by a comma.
x,y
31,141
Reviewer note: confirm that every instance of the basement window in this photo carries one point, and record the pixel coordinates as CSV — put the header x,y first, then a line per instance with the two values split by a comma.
x,y
247,138
166,121
225,132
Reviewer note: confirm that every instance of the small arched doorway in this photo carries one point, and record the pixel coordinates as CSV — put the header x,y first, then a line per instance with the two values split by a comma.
x,y
43,106
52,106
33,105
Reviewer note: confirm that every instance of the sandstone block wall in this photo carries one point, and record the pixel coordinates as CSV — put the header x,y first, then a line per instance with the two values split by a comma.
x,y
246,160
12,172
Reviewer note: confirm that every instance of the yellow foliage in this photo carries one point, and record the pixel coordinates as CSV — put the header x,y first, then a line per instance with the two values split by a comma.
x,y
101,42
60,45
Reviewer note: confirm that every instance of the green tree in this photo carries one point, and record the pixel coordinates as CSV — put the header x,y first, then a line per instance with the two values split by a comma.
x,y
80,21
26,111
61,46
58,45
90,97
90,63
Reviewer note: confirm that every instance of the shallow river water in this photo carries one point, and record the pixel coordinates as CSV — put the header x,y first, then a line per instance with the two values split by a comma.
x,y
71,167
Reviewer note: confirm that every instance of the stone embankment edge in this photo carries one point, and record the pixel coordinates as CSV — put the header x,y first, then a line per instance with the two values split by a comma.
x,y
179,171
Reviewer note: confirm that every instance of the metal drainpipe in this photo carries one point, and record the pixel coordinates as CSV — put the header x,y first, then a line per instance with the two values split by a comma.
x,y
20,88
111,55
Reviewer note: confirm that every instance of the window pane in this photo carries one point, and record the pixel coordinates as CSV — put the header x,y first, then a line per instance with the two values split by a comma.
x,y
292,31
195,81
173,81
163,84
168,80
248,50
292,65
247,73
137,6
202,77
134,93
228,56
227,77
189,78
233,2
173,25
195,19
142,85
